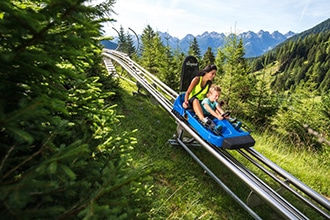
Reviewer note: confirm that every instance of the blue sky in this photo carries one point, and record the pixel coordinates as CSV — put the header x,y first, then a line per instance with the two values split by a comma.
x,y
182,17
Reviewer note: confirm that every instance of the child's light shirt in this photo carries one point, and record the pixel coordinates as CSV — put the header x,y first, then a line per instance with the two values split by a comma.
x,y
213,105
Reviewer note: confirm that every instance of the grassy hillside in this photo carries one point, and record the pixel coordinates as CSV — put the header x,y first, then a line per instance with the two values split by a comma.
x,y
303,58
178,185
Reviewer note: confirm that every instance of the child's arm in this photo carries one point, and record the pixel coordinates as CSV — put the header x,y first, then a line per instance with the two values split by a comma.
x,y
212,112
221,111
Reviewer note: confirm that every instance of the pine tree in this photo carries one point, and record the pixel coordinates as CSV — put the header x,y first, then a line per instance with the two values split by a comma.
x,y
236,82
208,57
194,49
125,42
170,70
263,104
220,60
148,57
130,49
122,41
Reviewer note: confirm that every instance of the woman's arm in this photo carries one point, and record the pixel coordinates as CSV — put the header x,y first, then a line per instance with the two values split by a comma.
x,y
192,85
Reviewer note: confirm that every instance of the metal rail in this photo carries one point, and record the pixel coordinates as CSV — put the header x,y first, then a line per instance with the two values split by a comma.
x,y
288,182
165,97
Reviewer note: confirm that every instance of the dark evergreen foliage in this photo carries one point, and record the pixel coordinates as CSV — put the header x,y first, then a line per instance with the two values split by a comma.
x,y
194,49
208,57
61,157
148,56
299,78
233,76
301,60
125,43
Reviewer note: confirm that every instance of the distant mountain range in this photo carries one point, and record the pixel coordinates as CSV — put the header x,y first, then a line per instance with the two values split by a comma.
x,y
255,44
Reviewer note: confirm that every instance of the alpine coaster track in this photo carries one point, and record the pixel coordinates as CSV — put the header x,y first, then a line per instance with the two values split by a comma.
x,y
260,191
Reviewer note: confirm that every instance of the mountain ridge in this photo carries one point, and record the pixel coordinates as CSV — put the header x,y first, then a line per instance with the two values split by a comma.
x,y
255,44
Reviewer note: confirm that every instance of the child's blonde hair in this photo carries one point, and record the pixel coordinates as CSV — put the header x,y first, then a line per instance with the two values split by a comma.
x,y
214,88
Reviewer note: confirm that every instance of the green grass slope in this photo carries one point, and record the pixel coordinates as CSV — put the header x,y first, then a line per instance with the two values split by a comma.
x,y
180,189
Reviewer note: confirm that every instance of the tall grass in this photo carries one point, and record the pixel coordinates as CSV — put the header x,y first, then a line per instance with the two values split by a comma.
x,y
311,168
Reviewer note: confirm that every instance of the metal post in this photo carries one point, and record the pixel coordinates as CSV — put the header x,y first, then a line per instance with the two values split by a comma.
x,y
137,38
118,36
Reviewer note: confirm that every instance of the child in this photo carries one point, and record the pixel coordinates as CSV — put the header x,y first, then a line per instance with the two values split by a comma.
x,y
210,106
197,90
214,109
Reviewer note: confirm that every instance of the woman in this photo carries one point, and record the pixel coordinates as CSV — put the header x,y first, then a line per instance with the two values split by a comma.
x,y
198,89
